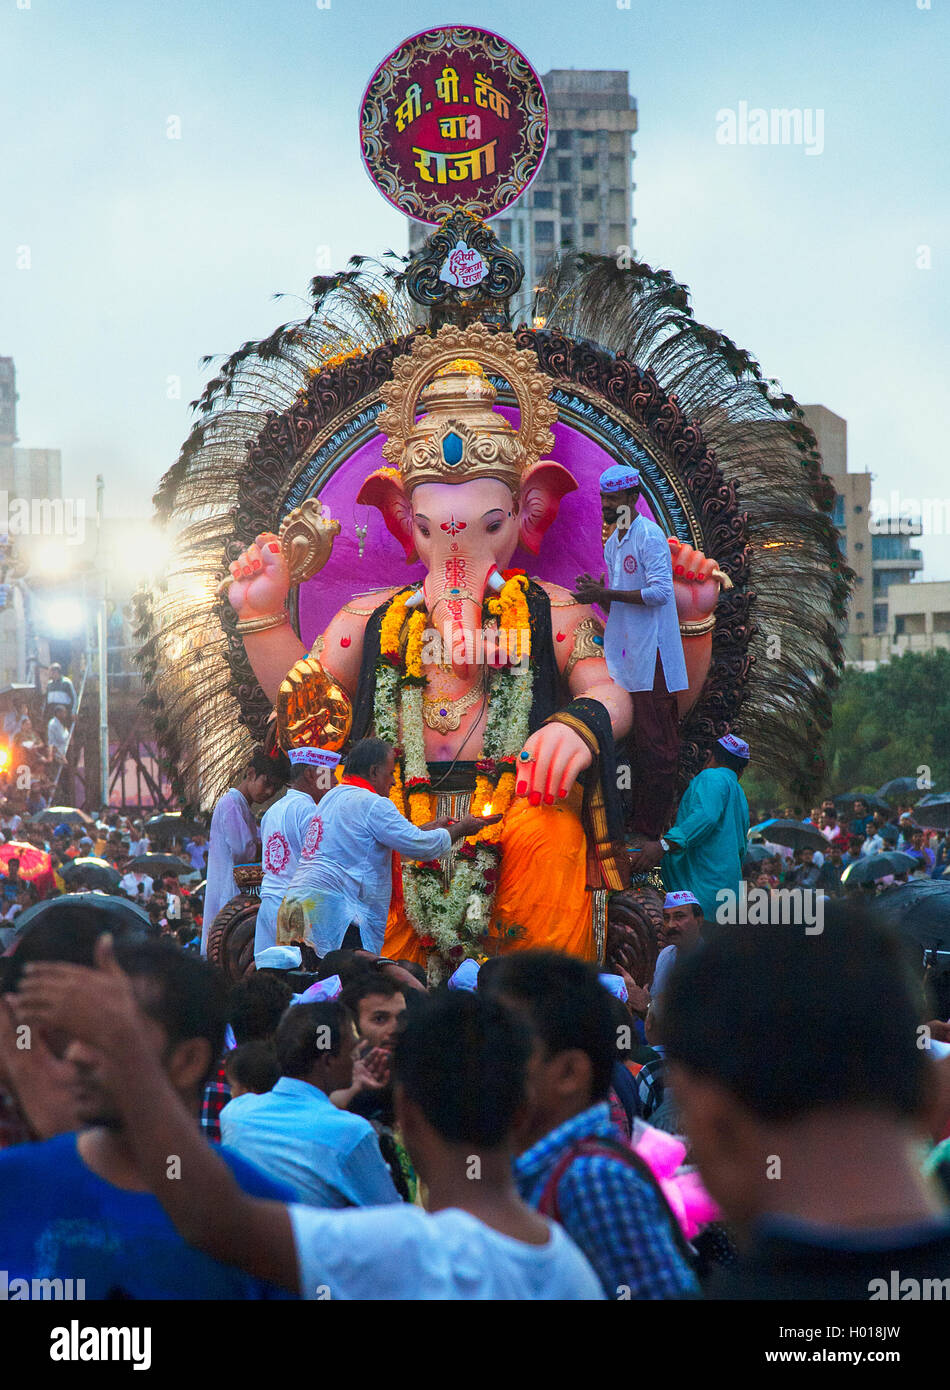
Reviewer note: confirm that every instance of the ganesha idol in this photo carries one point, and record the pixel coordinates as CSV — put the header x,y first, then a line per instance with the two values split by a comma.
x,y
491,684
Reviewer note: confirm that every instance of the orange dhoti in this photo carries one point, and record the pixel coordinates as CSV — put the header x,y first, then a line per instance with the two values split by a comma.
x,y
542,888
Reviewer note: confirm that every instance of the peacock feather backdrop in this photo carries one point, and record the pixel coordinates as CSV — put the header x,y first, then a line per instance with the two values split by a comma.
x,y
622,335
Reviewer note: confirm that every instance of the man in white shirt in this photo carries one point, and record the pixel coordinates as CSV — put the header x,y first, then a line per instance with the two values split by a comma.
x,y
235,836
642,643
460,1092
137,885
873,843
682,925
139,842
282,834
295,1133
344,878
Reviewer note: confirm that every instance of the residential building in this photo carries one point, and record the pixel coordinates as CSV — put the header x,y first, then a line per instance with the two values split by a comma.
x,y
852,510
877,547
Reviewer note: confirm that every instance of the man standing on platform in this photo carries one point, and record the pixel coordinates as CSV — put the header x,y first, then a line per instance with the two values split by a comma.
x,y
60,695
642,643
235,837
282,833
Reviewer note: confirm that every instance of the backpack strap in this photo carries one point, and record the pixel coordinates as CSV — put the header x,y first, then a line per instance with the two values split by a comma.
x,y
606,1147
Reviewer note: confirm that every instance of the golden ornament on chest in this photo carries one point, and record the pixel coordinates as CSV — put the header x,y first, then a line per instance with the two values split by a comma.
x,y
445,716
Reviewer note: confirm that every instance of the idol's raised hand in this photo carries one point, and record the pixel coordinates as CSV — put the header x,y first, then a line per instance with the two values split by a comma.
x,y
260,579
694,584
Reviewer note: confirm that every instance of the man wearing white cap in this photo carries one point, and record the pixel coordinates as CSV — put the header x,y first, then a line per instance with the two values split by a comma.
x,y
283,829
344,878
235,836
682,921
703,851
642,643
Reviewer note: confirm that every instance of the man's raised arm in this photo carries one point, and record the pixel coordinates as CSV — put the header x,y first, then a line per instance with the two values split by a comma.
x,y
203,1199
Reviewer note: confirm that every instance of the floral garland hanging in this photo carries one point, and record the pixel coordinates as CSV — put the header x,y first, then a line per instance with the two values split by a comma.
x,y
454,921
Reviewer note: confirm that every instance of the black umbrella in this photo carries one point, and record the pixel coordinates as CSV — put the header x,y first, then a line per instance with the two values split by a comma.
x,y
171,823
90,872
934,811
153,864
793,834
874,803
756,853
873,866
900,789
121,913
919,909
63,815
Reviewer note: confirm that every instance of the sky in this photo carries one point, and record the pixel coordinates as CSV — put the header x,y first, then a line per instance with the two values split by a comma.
x,y
125,256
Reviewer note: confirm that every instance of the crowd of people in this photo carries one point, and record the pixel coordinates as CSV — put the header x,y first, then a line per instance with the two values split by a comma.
x,y
855,835
172,897
345,1125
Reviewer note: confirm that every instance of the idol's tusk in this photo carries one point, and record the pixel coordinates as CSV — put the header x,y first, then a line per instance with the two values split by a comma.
x,y
416,599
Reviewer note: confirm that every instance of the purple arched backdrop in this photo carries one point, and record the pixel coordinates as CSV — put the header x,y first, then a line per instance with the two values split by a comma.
x,y
571,546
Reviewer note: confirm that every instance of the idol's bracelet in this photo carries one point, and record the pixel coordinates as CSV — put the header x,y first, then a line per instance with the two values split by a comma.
x,y
697,629
261,624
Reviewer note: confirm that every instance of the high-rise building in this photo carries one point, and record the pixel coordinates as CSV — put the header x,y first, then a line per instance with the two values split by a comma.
x,y
894,561
851,514
877,548
32,518
582,195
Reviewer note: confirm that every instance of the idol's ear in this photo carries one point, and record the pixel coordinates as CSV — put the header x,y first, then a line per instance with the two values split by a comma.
x,y
542,488
383,489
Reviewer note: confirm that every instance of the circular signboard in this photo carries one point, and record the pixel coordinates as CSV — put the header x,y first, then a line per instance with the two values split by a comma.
x,y
453,118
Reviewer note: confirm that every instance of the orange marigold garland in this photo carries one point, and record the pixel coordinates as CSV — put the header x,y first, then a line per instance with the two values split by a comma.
x,y
456,920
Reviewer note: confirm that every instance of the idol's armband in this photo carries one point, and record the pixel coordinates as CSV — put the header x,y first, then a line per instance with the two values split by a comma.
x,y
588,642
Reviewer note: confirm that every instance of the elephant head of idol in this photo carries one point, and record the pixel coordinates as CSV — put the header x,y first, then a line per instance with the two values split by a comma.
x,y
466,487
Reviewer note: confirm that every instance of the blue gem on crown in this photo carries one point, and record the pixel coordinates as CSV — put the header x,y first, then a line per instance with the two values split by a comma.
x,y
452,447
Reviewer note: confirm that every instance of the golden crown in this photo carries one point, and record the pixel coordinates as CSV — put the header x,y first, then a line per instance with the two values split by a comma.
x,y
461,436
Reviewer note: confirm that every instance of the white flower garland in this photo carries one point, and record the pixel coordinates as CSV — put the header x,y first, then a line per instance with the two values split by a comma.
x,y
386,703
413,738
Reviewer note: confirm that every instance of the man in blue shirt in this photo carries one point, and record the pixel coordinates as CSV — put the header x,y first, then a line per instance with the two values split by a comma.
x,y
76,1207
574,1166
328,1157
